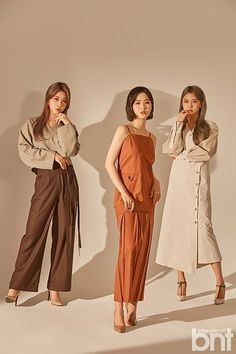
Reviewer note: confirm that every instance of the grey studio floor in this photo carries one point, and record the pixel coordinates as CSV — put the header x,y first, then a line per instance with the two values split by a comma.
x,y
85,326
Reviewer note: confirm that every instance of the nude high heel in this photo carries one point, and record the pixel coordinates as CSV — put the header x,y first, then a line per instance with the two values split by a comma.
x,y
54,302
119,328
181,297
131,320
218,300
12,299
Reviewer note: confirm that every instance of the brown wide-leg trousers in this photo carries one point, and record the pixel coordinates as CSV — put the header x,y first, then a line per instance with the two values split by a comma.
x,y
56,199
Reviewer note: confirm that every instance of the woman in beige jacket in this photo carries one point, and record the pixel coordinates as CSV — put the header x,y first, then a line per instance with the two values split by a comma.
x,y
187,240
46,144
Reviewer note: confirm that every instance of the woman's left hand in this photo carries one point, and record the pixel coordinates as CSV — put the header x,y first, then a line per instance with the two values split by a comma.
x,y
61,117
155,191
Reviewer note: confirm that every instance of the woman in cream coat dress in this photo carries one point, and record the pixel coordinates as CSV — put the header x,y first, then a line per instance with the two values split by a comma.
x,y
187,240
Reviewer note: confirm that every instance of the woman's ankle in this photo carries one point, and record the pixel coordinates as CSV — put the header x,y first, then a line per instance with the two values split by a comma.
x,y
118,305
13,292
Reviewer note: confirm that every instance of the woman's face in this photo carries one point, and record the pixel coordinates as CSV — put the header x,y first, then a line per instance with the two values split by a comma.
x,y
142,106
58,103
191,104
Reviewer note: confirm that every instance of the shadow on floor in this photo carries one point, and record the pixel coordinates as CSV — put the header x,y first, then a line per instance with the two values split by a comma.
x,y
183,346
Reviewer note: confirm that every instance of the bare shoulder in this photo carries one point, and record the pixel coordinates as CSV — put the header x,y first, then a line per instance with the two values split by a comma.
x,y
154,138
122,129
122,132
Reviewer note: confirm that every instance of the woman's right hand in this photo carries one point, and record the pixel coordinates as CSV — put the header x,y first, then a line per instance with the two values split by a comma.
x,y
63,161
182,115
128,201
172,156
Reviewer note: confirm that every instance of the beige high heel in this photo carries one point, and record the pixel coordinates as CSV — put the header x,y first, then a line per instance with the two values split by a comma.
x,y
54,302
181,297
119,328
12,299
218,300
131,320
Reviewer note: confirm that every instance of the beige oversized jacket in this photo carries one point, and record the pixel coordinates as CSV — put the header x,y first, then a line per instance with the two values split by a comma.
x,y
202,152
62,139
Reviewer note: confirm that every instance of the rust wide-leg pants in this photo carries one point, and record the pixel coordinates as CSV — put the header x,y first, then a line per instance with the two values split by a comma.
x,y
55,199
134,249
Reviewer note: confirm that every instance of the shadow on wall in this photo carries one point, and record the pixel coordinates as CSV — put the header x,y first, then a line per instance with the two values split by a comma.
x,y
16,199
100,270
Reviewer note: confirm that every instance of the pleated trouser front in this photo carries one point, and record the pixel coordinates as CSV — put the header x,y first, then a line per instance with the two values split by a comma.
x,y
55,199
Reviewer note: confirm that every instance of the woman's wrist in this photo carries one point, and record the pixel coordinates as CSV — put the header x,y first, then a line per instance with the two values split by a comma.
x,y
123,192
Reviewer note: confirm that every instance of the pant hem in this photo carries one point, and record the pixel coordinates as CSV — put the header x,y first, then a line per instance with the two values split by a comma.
x,y
24,288
128,300
56,287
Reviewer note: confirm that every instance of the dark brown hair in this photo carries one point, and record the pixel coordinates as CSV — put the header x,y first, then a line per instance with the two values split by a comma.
x,y
41,121
202,128
132,96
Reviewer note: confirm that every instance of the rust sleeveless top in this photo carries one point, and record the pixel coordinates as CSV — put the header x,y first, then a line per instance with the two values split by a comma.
x,y
135,161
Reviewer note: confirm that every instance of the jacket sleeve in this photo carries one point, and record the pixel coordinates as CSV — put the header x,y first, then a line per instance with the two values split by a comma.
x,y
174,143
65,142
29,154
206,148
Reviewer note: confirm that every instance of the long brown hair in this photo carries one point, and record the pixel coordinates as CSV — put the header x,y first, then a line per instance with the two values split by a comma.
x,y
41,121
202,128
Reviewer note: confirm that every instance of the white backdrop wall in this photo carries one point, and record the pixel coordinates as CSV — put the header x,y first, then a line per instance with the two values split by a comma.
x,y
102,49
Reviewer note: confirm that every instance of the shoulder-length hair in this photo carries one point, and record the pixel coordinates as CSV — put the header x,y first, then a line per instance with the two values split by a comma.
x,y
202,128
41,121
131,98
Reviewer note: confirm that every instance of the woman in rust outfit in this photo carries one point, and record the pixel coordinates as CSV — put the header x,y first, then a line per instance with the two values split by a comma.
x,y
46,144
137,191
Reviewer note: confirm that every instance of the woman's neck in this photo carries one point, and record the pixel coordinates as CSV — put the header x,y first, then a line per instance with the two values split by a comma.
x,y
139,124
192,120
51,119
52,116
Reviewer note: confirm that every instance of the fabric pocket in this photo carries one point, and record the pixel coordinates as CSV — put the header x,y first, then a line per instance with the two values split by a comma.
x,y
132,182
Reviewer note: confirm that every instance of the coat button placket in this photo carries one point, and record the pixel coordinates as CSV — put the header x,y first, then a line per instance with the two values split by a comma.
x,y
197,195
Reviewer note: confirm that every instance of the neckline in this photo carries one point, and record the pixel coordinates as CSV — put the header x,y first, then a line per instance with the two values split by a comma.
x,y
190,130
56,125
130,132
51,126
145,136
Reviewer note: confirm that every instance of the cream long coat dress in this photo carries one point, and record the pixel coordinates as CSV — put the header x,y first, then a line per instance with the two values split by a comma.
x,y
187,240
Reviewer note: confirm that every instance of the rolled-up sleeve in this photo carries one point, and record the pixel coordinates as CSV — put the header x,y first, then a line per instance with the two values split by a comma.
x,y
174,143
206,148
65,142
